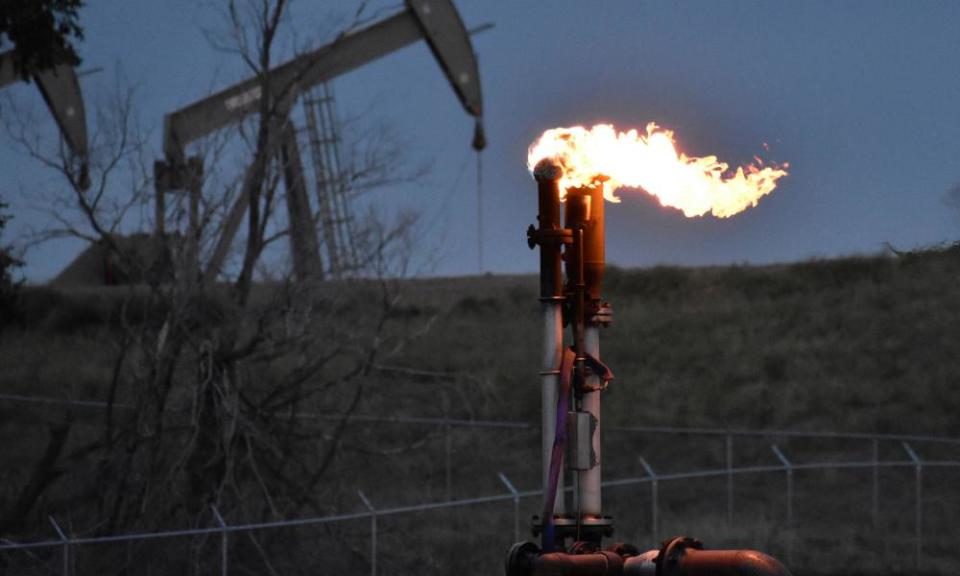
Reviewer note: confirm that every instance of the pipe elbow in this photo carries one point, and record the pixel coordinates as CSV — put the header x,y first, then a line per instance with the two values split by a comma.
x,y
686,557
730,563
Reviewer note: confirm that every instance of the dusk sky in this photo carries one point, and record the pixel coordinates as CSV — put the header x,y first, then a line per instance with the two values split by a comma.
x,y
861,98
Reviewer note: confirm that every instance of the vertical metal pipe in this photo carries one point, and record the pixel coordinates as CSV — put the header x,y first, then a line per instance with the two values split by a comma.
x,y
593,261
550,383
577,219
547,174
590,494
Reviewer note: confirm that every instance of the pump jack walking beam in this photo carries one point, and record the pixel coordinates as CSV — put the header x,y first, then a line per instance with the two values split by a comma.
x,y
436,21
61,91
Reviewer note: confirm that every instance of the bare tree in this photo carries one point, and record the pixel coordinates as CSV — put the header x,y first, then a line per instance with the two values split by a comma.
x,y
215,393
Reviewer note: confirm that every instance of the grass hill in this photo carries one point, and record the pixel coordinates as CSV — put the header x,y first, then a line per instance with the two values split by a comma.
x,y
865,344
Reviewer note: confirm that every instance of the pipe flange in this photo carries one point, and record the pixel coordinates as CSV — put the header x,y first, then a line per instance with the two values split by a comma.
x,y
672,551
602,315
567,526
540,236
520,559
623,549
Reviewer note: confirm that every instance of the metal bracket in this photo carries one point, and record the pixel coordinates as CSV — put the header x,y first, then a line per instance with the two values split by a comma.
x,y
537,237
601,371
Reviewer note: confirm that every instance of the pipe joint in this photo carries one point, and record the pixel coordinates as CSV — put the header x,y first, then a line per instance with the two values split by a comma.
x,y
679,556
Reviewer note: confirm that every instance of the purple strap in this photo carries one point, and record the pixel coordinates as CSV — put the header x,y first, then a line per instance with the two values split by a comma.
x,y
556,455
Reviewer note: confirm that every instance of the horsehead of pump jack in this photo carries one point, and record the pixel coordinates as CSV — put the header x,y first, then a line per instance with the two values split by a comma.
x,y
435,21
60,88
581,168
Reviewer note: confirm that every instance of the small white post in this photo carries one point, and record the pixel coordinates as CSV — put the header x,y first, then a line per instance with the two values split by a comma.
x,y
66,545
373,532
224,563
654,497
729,450
789,469
516,506
447,446
875,503
918,510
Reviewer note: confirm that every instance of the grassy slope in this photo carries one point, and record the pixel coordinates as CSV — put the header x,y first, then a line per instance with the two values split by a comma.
x,y
864,344
860,344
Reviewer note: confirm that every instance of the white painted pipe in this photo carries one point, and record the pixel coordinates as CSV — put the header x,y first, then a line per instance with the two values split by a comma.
x,y
589,485
550,383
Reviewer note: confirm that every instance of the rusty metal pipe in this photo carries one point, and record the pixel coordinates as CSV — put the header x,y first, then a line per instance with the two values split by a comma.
x,y
726,563
525,559
560,564
594,250
677,557
576,217
682,556
548,233
584,214
549,237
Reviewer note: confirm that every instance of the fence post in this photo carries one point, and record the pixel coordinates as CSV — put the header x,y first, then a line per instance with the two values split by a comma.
x,y
516,506
373,532
875,503
789,469
654,497
729,450
66,545
918,511
224,569
447,447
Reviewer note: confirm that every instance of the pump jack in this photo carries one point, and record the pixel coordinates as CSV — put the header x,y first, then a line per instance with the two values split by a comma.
x,y
572,381
436,21
61,91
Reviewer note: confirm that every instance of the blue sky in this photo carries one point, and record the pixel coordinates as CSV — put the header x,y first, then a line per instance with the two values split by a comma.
x,y
860,97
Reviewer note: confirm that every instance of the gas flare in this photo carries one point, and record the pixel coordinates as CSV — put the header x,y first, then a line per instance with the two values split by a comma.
x,y
650,161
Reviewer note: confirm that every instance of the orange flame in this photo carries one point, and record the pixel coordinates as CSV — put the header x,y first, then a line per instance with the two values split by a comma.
x,y
650,161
